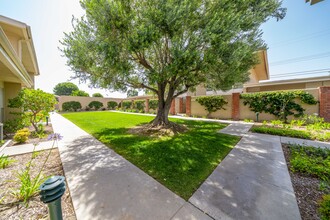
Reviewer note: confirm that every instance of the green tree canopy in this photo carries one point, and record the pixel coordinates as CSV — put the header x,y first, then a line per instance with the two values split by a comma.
x,y
65,88
167,47
97,95
36,104
80,93
132,92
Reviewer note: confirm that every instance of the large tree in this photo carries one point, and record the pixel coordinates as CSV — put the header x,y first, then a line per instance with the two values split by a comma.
x,y
65,88
167,46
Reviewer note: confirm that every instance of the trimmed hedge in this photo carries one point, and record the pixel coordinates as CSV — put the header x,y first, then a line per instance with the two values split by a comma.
x,y
212,103
112,104
153,104
95,105
126,104
283,132
280,103
139,105
71,106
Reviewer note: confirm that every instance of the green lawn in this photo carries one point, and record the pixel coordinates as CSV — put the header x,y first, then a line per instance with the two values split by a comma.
x,y
181,162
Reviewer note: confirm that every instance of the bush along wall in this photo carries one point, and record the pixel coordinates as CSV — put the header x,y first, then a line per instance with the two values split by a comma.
x,y
281,104
96,105
212,103
139,105
71,106
153,104
112,105
126,105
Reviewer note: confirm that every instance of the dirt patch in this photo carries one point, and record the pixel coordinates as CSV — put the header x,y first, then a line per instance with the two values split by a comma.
x,y
306,189
158,131
10,209
33,139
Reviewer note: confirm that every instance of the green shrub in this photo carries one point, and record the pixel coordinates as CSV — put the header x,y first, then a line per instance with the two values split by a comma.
x,y
212,103
71,106
153,104
97,95
95,105
5,161
139,105
282,132
280,103
126,104
112,104
276,122
22,135
325,207
322,136
13,125
310,160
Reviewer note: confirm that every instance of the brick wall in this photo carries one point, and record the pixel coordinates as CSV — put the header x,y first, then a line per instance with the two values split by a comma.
x,y
172,109
188,105
324,96
235,106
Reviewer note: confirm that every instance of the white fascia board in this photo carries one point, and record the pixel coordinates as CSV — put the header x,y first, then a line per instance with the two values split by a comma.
x,y
11,60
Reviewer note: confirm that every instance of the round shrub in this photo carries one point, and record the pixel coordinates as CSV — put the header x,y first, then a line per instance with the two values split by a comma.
x,y
126,104
71,106
212,103
22,135
139,105
95,105
112,104
153,104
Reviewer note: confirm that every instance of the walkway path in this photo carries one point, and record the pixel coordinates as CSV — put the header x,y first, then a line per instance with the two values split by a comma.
x,y
252,182
26,148
103,185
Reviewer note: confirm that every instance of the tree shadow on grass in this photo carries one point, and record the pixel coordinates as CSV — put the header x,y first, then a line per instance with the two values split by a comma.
x,y
181,162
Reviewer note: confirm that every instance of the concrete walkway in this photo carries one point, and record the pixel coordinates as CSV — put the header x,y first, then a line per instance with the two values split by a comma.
x,y
252,182
103,185
26,148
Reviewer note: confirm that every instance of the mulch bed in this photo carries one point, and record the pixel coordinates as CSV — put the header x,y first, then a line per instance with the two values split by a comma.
x,y
10,209
306,189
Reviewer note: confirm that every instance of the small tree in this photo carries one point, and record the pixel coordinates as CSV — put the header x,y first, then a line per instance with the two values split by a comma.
x,y
71,106
80,93
281,104
95,105
212,103
36,104
112,104
65,88
167,47
97,95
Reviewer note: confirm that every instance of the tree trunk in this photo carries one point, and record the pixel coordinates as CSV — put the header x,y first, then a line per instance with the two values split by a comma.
x,y
162,115
164,106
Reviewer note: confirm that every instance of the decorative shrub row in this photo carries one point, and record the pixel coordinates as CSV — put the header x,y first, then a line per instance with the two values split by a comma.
x,y
95,105
281,104
212,103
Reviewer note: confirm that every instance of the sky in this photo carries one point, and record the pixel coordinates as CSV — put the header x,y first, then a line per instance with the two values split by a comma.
x,y
303,36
